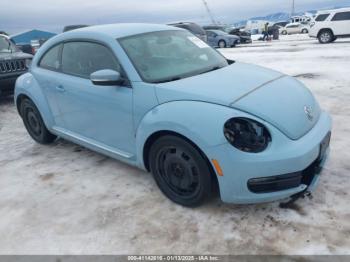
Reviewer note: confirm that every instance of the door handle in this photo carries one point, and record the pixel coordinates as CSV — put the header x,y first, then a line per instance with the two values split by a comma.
x,y
60,88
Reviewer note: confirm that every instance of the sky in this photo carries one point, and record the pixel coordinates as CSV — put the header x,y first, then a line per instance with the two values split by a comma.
x,y
21,15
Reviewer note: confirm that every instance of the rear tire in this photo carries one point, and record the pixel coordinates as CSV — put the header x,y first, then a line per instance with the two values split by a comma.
x,y
180,171
284,32
34,123
222,44
325,36
305,31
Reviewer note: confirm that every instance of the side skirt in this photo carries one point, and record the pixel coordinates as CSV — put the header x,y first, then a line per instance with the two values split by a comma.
x,y
95,146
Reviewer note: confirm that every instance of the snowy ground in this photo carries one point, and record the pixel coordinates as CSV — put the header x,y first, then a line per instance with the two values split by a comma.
x,y
63,199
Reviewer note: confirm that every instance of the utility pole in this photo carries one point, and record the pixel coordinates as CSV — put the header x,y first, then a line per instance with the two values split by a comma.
x,y
293,8
209,12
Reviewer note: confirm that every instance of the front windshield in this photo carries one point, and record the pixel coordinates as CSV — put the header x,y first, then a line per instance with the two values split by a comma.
x,y
170,55
6,46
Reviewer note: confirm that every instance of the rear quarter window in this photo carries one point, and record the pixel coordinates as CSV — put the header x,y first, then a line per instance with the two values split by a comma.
x,y
51,59
341,16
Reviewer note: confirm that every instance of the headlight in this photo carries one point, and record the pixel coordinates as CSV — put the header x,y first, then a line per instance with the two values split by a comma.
x,y
247,135
312,24
28,63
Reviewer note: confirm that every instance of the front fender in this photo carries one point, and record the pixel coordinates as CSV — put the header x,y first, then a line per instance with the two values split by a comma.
x,y
27,85
200,122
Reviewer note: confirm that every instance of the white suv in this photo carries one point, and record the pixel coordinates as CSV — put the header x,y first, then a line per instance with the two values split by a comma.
x,y
331,24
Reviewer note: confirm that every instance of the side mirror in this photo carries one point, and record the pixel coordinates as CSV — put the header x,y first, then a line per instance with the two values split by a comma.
x,y
106,77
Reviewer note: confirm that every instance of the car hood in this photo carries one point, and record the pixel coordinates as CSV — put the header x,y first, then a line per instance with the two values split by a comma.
x,y
276,98
232,36
15,55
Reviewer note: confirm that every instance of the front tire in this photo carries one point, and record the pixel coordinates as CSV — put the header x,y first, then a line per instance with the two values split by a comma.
x,y
34,123
180,171
284,32
325,36
222,44
305,31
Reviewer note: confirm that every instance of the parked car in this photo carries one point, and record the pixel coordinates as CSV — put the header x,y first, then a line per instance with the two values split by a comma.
x,y
13,63
330,25
35,44
193,28
281,24
244,36
73,27
25,48
161,99
294,28
217,38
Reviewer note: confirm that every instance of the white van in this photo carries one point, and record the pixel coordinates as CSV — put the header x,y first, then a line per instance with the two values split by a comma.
x,y
331,24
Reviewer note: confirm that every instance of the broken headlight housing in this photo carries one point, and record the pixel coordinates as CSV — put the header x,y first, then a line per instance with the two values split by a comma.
x,y
247,135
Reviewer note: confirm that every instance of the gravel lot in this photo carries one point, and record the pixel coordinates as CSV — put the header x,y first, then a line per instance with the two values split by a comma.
x,y
64,199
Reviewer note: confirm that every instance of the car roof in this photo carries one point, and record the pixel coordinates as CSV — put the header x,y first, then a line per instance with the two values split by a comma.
x,y
345,9
5,36
182,23
123,29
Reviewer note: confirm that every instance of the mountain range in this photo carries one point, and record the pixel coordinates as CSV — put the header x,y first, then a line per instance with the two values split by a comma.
x,y
279,16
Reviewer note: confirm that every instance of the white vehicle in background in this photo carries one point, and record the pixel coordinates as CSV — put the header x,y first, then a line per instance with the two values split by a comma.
x,y
331,24
294,28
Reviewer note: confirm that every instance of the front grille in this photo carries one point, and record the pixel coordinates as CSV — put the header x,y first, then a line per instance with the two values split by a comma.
x,y
12,66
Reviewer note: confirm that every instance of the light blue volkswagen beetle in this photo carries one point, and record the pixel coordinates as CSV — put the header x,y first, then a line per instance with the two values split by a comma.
x,y
160,99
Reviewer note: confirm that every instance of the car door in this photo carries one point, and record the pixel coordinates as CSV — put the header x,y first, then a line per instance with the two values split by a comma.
x,y
97,114
46,73
341,23
293,29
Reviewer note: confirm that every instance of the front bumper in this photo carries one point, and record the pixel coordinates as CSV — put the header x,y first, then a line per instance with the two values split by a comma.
x,y
296,160
7,84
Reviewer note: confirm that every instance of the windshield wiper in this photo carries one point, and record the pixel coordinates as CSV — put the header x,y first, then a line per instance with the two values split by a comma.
x,y
212,69
167,80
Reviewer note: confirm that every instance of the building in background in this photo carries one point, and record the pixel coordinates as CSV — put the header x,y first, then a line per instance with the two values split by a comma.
x,y
29,36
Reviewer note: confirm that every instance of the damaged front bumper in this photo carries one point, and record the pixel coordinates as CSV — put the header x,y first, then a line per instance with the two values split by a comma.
x,y
287,168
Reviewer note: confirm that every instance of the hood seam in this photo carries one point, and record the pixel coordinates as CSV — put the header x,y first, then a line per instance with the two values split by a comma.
x,y
258,87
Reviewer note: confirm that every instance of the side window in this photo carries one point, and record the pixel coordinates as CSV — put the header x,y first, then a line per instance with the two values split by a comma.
x,y
341,16
321,18
84,58
51,59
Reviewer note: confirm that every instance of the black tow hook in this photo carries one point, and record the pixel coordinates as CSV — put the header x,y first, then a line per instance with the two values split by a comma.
x,y
295,197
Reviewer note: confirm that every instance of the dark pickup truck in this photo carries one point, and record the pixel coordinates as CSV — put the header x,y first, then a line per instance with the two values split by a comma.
x,y
13,63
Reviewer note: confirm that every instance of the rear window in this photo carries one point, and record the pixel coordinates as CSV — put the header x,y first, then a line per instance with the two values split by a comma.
x,y
341,16
321,18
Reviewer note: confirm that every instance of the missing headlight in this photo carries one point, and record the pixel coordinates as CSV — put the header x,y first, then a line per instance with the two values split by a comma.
x,y
247,135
